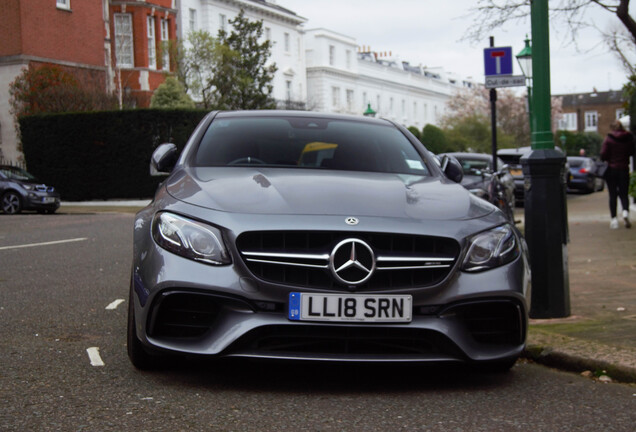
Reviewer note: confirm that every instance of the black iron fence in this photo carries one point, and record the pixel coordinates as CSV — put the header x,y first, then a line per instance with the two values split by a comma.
x,y
19,164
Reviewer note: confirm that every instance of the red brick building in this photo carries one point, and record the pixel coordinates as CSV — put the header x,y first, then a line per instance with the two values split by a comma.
x,y
139,31
114,45
591,112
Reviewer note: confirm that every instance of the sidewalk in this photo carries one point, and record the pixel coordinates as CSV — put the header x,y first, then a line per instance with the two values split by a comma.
x,y
599,338
600,334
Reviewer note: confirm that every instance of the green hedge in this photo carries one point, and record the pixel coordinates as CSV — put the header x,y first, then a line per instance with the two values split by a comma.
x,y
102,155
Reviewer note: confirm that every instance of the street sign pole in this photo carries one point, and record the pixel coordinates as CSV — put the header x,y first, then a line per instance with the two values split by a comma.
x,y
493,111
546,229
498,72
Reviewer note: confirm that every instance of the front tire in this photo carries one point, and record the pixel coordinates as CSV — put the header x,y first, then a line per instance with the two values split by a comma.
x,y
11,203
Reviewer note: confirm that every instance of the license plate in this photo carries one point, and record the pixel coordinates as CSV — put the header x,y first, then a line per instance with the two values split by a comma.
x,y
48,200
350,307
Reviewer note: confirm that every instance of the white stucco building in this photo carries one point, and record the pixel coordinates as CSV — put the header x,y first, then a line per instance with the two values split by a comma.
x,y
281,26
322,70
343,78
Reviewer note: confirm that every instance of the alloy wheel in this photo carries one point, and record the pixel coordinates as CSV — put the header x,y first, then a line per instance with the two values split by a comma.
x,y
11,203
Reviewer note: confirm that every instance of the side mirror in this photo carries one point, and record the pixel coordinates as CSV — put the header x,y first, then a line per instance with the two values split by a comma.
x,y
163,159
452,168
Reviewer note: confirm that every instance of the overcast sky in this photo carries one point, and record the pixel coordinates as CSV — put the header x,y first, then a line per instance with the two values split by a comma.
x,y
429,32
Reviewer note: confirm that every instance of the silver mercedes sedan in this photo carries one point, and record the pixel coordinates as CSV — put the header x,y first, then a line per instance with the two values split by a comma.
x,y
310,236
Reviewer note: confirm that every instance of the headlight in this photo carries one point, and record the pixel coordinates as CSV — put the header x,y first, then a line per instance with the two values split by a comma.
x,y
27,186
492,248
189,239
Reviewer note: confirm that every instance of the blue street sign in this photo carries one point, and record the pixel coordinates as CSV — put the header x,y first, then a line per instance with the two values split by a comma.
x,y
498,61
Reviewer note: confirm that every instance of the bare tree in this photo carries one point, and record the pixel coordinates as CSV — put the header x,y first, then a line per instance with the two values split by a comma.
x,y
512,114
575,14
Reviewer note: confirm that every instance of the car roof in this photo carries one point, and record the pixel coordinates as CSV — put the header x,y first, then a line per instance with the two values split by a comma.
x,y
513,151
522,150
482,156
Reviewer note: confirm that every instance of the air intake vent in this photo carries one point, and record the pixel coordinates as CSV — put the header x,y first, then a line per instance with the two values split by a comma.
x,y
179,315
498,323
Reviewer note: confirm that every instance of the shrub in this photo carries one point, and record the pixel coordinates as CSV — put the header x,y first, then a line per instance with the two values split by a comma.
x,y
416,132
434,139
102,155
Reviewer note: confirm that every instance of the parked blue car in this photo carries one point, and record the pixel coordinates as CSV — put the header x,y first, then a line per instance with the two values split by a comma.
x,y
584,178
19,191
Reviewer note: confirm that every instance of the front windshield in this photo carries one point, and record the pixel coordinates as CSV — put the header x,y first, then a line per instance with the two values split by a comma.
x,y
308,142
15,173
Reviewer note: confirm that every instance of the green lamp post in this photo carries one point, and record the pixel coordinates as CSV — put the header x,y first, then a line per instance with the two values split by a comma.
x,y
546,224
525,63
369,112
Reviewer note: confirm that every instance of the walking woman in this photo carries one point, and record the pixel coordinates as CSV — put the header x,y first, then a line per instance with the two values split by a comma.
x,y
616,151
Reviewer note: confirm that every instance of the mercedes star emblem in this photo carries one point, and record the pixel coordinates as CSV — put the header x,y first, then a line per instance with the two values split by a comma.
x,y
352,262
351,221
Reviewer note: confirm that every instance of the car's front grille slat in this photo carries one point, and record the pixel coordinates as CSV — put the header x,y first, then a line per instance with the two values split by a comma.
x,y
301,258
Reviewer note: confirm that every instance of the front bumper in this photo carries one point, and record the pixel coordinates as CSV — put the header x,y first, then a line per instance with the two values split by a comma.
x,y
487,329
225,313
35,200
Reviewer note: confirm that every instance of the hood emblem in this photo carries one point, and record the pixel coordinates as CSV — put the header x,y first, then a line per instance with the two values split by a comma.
x,y
352,221
352,262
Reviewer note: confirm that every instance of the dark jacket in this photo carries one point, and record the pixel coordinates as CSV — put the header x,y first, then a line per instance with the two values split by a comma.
x,y
617,148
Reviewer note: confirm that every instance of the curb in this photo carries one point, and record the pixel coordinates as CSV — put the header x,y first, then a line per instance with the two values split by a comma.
x,y
576,355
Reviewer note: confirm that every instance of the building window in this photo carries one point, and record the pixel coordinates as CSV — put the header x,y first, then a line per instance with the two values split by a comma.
x,y
332,55
591,121
193,19
287,47
335,97
620,112
288,90
268,33
165,59
415,110
63,4
123,40
403,108
348,59
222,21
350,100
377,103
364,100
152,45
568,122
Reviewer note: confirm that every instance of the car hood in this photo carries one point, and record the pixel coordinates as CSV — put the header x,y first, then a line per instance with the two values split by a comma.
x,y
295,191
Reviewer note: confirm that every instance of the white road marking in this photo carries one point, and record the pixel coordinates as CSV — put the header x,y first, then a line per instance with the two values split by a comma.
x,y
114,304
44,243
93,355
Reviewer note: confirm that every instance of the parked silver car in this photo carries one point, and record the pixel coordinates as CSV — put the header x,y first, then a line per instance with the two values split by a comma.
x,y
480,179
512,158
306,236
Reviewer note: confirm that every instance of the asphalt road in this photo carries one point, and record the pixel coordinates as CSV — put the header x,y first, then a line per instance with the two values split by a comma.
x,y
59,273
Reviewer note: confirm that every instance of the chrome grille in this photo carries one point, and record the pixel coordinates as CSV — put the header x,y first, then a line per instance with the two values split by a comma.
x,y
302,258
